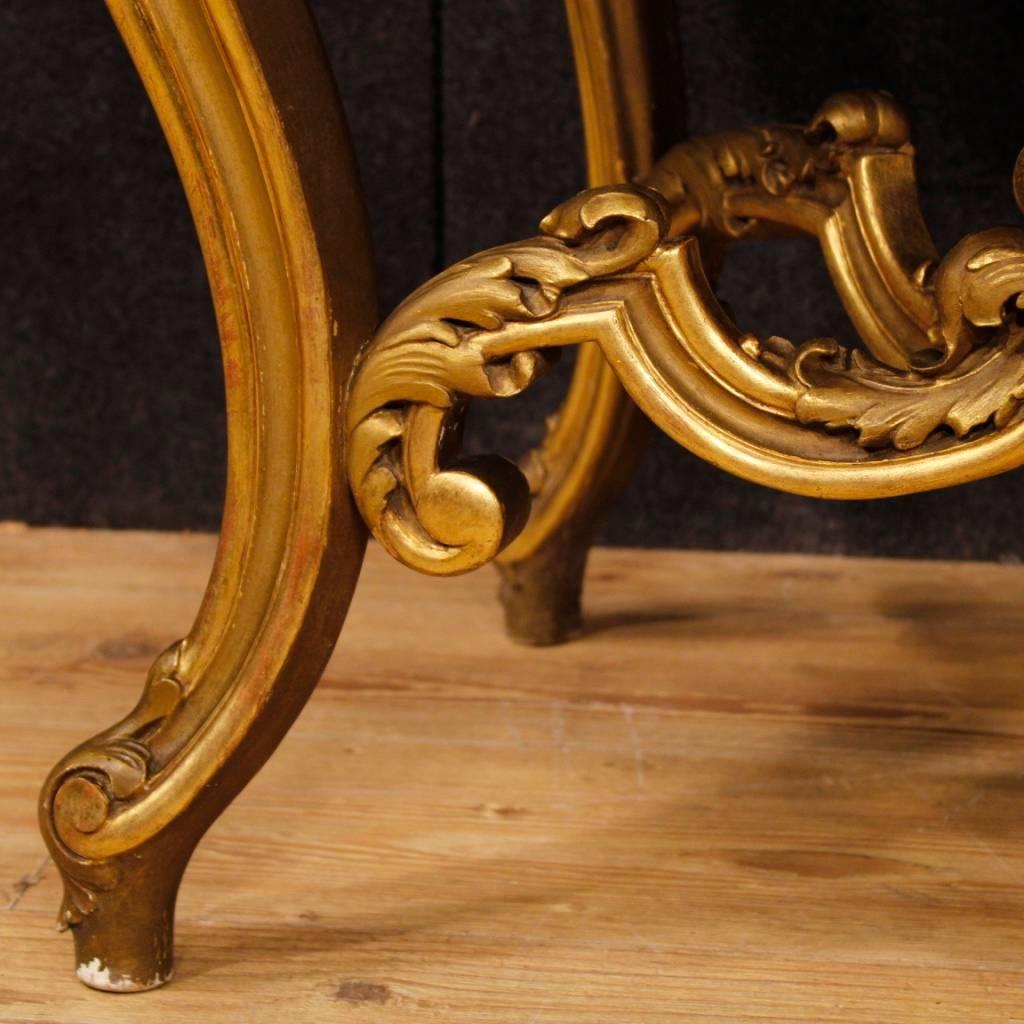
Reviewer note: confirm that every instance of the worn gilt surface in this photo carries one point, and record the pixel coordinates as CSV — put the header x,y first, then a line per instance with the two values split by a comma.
x,y
929,396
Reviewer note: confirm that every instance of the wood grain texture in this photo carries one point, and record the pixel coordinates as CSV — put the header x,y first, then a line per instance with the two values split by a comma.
x,y
760,788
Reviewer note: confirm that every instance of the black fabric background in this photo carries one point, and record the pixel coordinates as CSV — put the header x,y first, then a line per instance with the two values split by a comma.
x,y
466,125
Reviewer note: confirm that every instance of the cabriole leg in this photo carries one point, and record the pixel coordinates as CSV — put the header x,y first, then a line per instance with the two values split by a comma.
x,y
250,112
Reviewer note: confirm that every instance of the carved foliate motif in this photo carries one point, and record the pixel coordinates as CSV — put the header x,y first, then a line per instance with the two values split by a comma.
x,y
933,397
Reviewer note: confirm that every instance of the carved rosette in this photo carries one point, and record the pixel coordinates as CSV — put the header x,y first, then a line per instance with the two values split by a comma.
x,y
931,396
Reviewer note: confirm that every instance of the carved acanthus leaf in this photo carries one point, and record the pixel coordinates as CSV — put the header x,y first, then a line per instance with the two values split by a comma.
x,y
887,407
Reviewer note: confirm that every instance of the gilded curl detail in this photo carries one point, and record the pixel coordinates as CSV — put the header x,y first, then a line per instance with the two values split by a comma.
x,y
427,505
103,776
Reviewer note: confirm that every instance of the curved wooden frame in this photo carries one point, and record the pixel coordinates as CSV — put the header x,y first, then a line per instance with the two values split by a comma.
x,y
249,108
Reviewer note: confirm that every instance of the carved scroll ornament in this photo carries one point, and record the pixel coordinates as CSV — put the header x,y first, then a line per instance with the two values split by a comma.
x,y
932,396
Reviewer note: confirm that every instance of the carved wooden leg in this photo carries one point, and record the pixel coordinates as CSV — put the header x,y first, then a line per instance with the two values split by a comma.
x,y
249,109
631,96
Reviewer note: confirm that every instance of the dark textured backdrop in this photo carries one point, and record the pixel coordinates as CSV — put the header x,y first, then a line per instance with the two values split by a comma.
x,y
467,130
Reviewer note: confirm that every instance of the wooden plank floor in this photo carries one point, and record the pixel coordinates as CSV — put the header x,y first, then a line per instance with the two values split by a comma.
x,y
760,789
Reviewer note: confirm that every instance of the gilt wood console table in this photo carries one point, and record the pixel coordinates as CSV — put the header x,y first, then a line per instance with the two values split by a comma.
x,y
336,422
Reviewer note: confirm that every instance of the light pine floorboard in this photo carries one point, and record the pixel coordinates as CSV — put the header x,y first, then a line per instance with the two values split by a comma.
x,y
761,788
